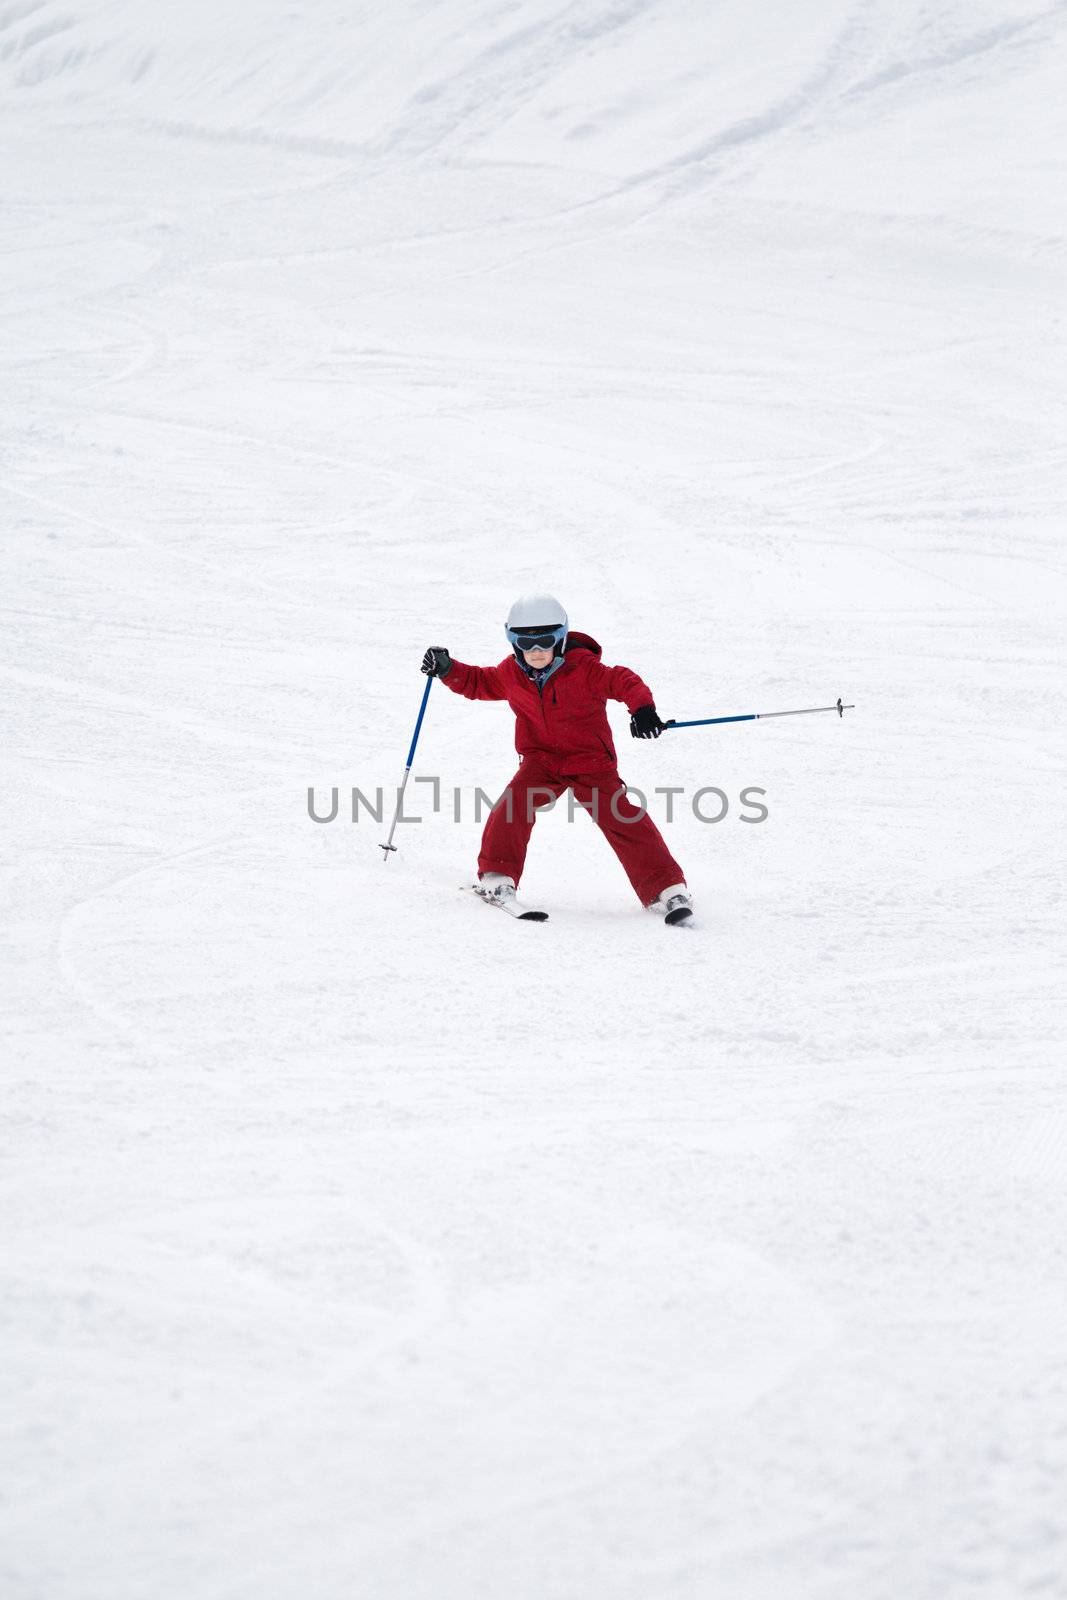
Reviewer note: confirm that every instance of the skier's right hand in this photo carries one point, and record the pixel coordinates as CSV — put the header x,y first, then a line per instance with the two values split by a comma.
x,y
437,663
645,723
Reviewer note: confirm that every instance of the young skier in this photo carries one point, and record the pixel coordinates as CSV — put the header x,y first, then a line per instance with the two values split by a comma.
x,y
557,687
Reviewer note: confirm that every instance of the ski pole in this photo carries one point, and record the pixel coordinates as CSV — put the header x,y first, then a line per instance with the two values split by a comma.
x,y
760,716
389,845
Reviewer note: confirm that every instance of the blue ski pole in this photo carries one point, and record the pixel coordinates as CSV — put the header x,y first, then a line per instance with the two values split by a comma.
x,y
761,716
389,845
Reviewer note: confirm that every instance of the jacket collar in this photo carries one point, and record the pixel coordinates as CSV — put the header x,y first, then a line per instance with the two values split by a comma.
x,y
539,679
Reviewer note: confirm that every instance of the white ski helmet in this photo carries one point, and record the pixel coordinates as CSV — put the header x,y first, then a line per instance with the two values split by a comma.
x,y
537,619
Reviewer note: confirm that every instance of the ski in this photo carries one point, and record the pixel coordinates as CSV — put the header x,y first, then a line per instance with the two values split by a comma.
x,y
680,915
674,905
511,905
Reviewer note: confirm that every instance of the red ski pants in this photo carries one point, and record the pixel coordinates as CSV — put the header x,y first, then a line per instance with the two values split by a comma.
x,y
630,831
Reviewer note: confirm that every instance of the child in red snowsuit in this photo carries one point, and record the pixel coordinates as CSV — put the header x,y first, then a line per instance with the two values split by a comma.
x,y
558,687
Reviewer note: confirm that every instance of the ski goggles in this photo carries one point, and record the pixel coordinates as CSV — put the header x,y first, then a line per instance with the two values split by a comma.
x,y
537,639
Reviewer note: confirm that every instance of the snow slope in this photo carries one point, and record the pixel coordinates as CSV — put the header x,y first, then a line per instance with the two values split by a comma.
x,y
358,1240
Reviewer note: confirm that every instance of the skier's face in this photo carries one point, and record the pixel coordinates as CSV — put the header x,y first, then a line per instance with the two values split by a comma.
x,y
537,658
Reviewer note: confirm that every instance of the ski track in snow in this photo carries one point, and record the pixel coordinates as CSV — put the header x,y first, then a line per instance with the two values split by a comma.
x,y
361,1242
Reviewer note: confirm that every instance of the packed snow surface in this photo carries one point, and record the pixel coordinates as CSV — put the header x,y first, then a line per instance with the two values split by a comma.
x,y
358,1240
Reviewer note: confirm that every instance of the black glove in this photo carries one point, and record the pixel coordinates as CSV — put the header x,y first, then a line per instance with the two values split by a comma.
x,y
645,723
437,663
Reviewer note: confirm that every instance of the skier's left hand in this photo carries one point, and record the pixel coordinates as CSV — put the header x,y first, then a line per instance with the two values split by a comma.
x,y
645,723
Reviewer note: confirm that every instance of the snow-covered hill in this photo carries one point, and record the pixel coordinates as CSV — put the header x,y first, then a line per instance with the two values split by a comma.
x,y
358,1244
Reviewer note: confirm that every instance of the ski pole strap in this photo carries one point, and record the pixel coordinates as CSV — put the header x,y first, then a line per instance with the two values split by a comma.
x,y
760,716
418,725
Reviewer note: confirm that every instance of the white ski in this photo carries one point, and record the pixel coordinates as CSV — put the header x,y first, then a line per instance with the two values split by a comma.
x,y
675,906
680,919
511,904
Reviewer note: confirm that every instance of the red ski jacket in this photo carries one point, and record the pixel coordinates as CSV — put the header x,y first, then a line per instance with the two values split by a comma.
x,y
565,721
